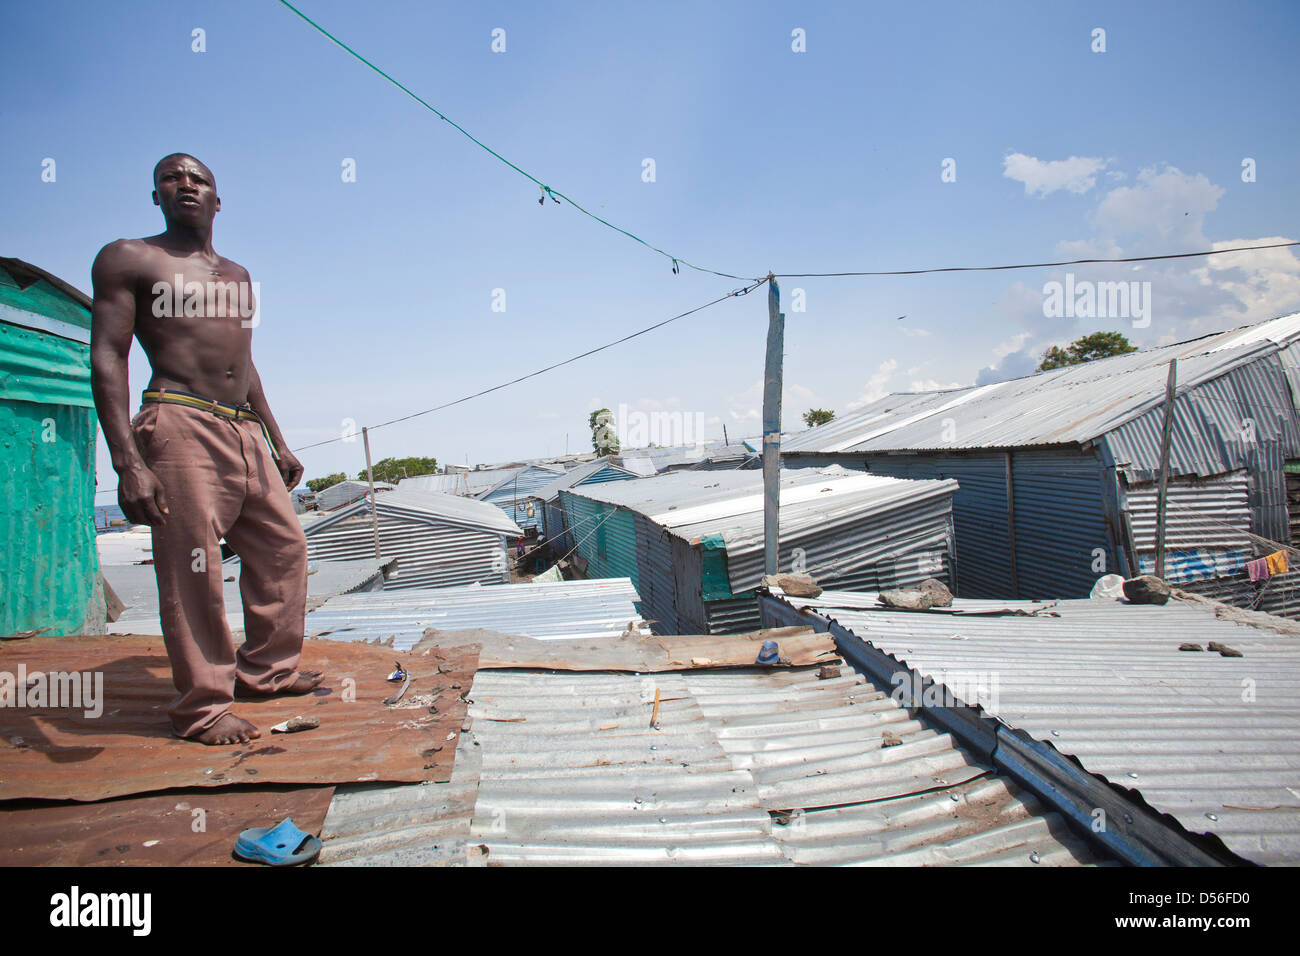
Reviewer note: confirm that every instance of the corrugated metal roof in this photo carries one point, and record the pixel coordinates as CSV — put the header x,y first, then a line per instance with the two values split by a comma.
x,y
449,484
747,766
814,501
583,474
652,460
345,492
425,504
521,482
554,610
1067,405
1212,740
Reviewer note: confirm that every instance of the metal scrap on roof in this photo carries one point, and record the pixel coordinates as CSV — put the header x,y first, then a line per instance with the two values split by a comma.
x,y
1212,740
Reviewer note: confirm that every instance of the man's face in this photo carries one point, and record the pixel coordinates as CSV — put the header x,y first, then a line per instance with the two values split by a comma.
x,y
186,191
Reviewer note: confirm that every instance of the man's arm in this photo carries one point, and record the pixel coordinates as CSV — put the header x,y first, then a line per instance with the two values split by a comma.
x,y
290,467
111,327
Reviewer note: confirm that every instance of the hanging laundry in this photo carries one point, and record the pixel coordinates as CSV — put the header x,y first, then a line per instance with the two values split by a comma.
x,y
1277,562
1257,569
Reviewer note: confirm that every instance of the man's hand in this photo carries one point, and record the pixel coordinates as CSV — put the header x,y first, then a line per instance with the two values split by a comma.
x,y
140,496
290,469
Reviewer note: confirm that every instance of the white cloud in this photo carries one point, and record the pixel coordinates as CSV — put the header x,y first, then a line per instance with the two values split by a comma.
x,y
924,333
876,389
931,385
1165,205
1013,344
1077,174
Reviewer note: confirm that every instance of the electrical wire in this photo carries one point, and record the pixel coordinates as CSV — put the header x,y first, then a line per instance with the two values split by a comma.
x,y
1027,265
514,381
546,190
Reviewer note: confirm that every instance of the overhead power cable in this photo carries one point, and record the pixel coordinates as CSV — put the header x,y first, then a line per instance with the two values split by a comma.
x,y
677,261
1029,265
541,371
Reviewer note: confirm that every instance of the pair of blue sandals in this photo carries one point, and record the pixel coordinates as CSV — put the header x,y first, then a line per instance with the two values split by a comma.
x,y
281,845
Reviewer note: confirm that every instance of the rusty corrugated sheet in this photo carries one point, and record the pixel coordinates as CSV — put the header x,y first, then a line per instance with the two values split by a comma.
x,y
639,653
64,754
190,828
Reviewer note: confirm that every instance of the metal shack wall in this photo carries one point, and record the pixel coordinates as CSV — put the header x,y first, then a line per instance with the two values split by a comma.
x,y
1059,514
1245,418
50,569
430,554
604,537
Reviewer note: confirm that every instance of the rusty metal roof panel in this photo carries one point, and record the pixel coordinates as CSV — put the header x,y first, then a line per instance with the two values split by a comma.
x,y
116,740
1212,740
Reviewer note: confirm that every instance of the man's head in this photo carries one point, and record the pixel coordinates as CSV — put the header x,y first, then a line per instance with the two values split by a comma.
x,y
185,190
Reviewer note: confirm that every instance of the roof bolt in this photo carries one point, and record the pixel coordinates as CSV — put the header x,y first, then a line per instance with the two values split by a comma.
x,y
1034,858
1212,816
663,819
209,770
1056,733
653,747
1133,774
1128,818
954,797
636,800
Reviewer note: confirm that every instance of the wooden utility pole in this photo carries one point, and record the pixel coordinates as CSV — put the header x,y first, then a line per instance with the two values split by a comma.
x,y
1162,494
370,476
772,374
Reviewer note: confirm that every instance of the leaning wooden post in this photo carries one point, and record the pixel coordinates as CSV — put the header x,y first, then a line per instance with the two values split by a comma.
x,y
370,477
772,428
1162,494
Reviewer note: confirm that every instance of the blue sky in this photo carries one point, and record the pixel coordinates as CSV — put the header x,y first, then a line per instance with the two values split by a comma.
x,y
377,294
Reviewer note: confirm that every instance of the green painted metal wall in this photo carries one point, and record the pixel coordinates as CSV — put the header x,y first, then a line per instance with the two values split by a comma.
x,y
47,484
49,567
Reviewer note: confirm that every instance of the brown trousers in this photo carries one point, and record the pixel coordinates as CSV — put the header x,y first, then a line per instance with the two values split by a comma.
x,y
220,480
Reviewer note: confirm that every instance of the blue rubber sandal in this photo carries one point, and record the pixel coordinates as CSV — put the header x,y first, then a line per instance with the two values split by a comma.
x,y
281,845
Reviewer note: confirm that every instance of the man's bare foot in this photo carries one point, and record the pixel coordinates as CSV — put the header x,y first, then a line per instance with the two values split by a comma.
x,y
228,730
303,683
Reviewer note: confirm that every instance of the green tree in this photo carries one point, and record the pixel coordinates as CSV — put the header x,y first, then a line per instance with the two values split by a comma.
x,y
1085,349
320,484
603,439
817,416
394,470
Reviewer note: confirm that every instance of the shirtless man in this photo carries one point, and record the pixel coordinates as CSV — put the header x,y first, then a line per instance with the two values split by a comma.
x,y
204,459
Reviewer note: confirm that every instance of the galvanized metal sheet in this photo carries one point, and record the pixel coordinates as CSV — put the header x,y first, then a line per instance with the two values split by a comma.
x,y
1067,405
1212,740
549,611
583,779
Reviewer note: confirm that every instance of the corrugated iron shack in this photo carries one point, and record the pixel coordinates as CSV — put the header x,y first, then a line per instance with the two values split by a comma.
x,y
692,542
1057,470
438,540
547,498
512,493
